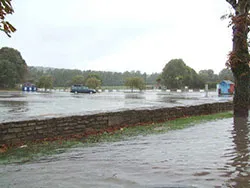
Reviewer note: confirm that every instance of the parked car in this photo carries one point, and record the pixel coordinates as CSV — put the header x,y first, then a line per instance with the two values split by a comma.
x,y
77,88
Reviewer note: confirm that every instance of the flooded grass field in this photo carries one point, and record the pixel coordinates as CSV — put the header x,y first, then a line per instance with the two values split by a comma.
x,y
15,106
212,154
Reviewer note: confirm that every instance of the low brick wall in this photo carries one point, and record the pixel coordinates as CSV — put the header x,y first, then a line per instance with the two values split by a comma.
x,y
31,130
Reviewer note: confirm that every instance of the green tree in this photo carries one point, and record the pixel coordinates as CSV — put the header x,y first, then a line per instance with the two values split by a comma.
x,y
226,74
158,81
152,78
45,82
92,75
239,57
5,9
93,82
208,76
135,83
7,74
63,77
78,79
176,74
16,72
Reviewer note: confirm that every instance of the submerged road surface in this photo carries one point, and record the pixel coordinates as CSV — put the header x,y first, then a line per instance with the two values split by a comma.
x,y
206,155
16,106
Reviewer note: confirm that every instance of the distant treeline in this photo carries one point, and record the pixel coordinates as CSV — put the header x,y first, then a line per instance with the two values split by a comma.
x,y
63,77
175,75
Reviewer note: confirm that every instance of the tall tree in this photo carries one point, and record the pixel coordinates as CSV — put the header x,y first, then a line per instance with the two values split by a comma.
x,y
176,74
15,65
5,9
239,57
8,74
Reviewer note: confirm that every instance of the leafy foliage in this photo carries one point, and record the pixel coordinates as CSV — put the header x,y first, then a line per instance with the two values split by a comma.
x,y
176,74
45,82
67,77
13,69
5,9
63,77
78,79
208,76
7,74
226,74
93,82
239,58
135,82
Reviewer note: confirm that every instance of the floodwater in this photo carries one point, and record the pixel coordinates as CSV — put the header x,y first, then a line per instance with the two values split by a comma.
x,y
15,106
212,154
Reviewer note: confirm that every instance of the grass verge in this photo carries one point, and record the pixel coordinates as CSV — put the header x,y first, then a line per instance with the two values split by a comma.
x,y
32,151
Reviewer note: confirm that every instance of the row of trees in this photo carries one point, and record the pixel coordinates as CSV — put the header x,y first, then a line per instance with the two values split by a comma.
x,y
63,77
92,81
176,74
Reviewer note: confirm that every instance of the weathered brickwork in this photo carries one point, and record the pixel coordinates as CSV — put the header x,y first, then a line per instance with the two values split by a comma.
x,y
21,131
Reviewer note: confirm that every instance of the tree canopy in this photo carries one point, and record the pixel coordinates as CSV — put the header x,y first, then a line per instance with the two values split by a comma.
x,y
13,68
176,74
226,74
78,79
208,76
63,77
45,82
93,82
135,83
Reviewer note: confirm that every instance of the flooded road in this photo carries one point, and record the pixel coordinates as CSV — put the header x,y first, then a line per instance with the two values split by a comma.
x,y
212,154
15,106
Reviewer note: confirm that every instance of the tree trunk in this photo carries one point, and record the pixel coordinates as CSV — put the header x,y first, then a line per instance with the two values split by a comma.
x,y
239,57
241,95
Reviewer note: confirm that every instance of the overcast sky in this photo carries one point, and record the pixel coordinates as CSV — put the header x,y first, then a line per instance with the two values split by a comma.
x,y
121,35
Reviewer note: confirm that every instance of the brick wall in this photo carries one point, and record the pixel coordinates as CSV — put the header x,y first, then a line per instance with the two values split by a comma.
x,y
31,130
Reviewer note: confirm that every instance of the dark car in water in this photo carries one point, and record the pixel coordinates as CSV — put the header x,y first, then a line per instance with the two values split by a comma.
x,y
77,88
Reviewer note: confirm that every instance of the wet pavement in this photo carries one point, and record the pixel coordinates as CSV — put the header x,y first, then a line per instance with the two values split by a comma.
x,y
15,106
212,154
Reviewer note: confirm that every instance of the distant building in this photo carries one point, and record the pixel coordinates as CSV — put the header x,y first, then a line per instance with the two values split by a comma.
x,y
29,87
226,87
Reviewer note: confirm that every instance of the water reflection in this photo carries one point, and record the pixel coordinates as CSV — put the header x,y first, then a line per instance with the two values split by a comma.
x,y
66,103
15,106
134,96
240,169
192,157
167,99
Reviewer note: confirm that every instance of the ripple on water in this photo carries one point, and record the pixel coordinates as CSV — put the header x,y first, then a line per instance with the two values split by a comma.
x,y
211,154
